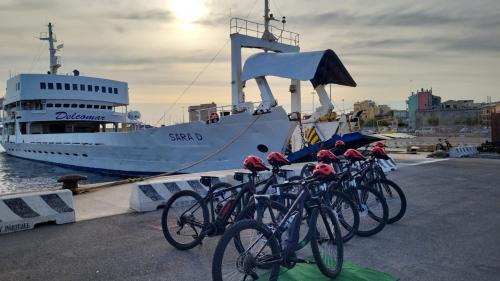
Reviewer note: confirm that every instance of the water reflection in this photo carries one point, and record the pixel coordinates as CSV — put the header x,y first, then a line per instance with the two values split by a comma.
x,y
18,174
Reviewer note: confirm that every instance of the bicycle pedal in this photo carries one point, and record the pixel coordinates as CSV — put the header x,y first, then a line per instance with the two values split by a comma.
x,y
299,260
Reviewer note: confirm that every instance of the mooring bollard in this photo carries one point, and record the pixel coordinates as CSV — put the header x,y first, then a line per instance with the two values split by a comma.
x,y
71,181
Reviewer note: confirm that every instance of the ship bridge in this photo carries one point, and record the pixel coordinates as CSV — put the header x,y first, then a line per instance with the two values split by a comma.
x,y
43,97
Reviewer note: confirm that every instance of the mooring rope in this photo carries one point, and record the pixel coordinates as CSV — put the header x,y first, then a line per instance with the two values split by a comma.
x,y
132,180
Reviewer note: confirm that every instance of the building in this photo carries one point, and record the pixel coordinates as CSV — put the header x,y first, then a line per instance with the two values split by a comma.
x,y
421,100
486,111
368,107
454,115
384,110
451,119
401,116
201,112
460,104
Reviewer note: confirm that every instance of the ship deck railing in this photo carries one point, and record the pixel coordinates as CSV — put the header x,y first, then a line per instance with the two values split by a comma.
x,y
204,114
255,29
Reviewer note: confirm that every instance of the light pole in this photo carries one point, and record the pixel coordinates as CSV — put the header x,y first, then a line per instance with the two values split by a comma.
x,y
313,93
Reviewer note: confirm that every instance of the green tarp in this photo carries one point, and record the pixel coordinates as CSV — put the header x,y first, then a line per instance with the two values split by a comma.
x,y
350,272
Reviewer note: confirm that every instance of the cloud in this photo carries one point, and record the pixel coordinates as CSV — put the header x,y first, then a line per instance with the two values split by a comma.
x,y
150,15
27,5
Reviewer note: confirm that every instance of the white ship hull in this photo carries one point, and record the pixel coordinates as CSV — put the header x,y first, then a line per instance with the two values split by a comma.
x,y
188,147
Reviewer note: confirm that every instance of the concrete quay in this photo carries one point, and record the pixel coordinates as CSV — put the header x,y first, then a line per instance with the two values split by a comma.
x,y
450,232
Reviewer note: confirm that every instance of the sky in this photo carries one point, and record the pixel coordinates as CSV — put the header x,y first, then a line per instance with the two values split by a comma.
x,y
160,47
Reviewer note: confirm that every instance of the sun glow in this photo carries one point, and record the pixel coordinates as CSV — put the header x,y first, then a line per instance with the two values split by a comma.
x,y
188,10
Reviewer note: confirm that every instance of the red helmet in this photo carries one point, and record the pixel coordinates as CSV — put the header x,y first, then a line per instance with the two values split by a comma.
x,y
323,170
254,164
380,144
353,155
277,159
378,152
326,156
339,144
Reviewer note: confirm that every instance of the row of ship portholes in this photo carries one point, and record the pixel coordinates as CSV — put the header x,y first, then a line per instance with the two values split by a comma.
x,y
46,152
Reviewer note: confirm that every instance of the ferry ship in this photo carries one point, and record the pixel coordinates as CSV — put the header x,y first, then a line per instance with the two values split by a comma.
x,y
83,122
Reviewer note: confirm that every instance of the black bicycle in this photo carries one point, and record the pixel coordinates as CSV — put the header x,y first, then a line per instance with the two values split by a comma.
x,y
188,217
373,175
253,249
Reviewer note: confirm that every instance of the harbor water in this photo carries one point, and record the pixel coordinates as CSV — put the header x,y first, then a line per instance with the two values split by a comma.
x,y
19,175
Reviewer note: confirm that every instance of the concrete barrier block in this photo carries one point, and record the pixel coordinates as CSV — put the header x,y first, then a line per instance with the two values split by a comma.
x,y
388,165
466,151
151,195
24,211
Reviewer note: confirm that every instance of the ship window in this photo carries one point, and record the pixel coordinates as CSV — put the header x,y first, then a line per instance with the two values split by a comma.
x,y
84,155
96,106
103,89
59,153
50,86
66,86
50,105
110,90
81,106
52,152
89,106
110,107
43,86
59,86
103,107
57,105
66,153
66,105
74,105
74,154
75,87
115,91
89,88
96,89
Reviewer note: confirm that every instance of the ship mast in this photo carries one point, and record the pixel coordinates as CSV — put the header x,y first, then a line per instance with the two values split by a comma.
x,y
267,18
55,61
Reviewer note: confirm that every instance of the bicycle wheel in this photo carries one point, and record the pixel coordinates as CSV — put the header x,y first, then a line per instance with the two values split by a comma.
x,y
184,219
260,259
346,212
307,170
372,209
394,197
263,216
326,242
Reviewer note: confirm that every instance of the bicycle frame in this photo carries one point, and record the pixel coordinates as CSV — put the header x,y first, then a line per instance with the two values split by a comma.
x,y
304,197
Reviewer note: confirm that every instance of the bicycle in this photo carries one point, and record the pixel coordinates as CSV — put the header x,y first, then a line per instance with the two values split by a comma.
x,y
264,248
188,217
373,175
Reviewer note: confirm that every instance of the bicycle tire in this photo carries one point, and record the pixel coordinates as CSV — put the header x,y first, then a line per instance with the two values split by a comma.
x,y
169,208
249,213
384,186
307,169
234,230
336,203
381,221
324,262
